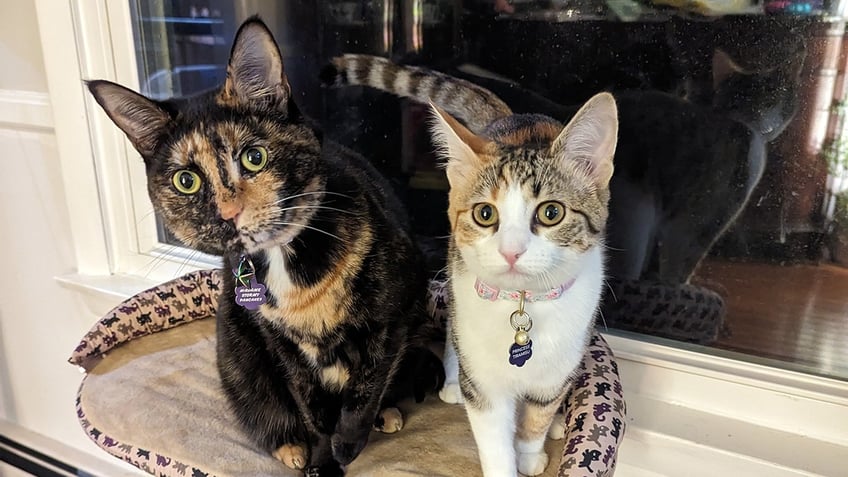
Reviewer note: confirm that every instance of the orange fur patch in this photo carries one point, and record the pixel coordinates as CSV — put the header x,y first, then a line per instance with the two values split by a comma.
x,y
535,420
321,308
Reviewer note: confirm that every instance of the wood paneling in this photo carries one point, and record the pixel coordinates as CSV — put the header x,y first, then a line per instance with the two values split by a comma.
x,y
793,313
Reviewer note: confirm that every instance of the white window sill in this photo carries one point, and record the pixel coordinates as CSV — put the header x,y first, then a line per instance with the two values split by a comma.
x,y
101,293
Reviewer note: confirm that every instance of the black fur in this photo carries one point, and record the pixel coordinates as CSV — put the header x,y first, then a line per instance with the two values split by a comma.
x,y
350,216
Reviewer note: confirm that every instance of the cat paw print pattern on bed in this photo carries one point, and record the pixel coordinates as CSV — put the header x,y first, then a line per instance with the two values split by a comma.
x,y
155,400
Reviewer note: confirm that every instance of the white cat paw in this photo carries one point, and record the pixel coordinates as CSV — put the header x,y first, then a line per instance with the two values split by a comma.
x,y
557,429
451,394
532,463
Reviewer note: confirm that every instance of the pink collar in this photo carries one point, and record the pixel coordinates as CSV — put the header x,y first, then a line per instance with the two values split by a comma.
x,y
491,293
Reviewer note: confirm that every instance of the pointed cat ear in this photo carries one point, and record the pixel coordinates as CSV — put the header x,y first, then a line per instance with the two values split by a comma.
x,y
460,147
724,67
142,120
590,137
255,74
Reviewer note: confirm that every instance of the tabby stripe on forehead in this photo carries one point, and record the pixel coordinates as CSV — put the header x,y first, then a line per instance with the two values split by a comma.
x,y
222,160
217,141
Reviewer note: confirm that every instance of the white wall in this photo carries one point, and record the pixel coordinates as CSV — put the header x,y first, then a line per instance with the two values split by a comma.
x,y
40,322
20,47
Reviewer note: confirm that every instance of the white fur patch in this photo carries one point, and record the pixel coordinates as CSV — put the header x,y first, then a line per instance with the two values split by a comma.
x,y
277,279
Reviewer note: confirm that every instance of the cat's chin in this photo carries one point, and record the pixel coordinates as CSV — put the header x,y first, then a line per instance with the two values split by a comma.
x,y
263,241
513,280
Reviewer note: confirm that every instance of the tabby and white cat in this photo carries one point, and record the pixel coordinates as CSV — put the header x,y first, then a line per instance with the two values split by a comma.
x,y
684,171
528,209
239,172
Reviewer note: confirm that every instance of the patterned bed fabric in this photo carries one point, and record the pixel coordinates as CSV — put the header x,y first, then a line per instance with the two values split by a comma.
x,y
190,297
594,407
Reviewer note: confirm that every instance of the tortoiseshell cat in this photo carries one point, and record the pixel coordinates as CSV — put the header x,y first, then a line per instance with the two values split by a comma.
x,y
528,209
238,172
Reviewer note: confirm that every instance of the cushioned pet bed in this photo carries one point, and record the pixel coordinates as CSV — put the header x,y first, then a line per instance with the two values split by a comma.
x,y
151,396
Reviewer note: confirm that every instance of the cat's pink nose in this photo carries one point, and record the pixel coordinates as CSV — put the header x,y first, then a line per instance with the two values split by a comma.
x,y
511,256
230,211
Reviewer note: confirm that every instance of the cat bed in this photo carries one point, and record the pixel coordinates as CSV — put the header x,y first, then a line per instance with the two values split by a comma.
x,y
151,397
678,311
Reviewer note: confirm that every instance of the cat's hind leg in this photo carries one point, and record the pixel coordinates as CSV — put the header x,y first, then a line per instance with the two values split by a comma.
x,y
533,426
558,427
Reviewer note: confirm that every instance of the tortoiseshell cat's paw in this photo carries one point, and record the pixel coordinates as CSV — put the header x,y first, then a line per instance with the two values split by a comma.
x,y
389,420
451,394
347,447
293,456
331,469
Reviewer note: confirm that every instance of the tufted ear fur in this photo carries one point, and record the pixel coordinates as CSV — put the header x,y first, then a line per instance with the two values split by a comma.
x,y
463,151
590,138
143,120
255,74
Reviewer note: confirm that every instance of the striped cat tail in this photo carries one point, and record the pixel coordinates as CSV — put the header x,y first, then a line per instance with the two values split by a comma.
x,y
475,106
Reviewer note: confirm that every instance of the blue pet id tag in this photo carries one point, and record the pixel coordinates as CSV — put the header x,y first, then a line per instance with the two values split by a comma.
x,y
522,349
249,293
519,354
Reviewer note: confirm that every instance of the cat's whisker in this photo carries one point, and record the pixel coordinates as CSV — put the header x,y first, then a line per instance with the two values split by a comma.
x,y
296,207
609,287
614,249
188,258
313,228
304,194
603,320
157,261
439,272
145,216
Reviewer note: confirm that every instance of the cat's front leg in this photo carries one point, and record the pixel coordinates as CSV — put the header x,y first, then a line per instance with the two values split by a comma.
x,y
493,423
321,462
360,405
534,422
450,392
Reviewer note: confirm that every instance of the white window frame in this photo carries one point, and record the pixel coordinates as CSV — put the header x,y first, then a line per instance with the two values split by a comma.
x,y
104,181
114,228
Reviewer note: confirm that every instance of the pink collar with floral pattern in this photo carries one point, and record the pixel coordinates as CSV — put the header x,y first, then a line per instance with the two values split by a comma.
x,y
488,292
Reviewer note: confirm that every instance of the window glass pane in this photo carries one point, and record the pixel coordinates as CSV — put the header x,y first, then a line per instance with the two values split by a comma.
x,y
729,213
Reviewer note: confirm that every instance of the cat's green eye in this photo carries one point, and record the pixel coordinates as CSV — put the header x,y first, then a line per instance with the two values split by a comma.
x,y
485,214
187,182
550,213
254,158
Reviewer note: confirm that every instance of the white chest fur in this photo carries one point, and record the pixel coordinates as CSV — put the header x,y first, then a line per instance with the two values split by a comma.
x,y
484,335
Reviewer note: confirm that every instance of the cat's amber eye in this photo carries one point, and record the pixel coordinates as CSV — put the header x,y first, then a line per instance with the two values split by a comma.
x,y
187,182
550,213
254,158
485,214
